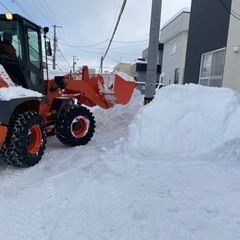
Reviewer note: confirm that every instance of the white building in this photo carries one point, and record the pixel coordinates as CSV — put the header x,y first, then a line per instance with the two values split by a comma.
x,y
231,76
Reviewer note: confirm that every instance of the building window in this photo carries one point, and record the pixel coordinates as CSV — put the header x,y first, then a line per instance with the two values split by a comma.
x,y
176,75
212,65
173,47
162,78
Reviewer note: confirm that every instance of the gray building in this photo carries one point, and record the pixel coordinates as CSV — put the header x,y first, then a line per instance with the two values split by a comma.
x,y
174,35
139,68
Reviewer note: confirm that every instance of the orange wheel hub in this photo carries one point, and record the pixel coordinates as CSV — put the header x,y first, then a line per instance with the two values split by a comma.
x,y
35,138
79,127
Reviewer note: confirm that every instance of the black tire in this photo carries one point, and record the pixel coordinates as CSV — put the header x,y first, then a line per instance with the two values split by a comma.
x,y
26,140
75,126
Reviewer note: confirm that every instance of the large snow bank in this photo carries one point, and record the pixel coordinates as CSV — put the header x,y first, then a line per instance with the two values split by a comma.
x,y
185,120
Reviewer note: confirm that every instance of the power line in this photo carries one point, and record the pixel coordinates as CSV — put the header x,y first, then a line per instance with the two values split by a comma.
x,y
52,14
115,15
5,7
230,10
89,46
68,50
42,11
45,10
22,8
79,49
234,12
64,58
132,41
114,31
116,26
112,59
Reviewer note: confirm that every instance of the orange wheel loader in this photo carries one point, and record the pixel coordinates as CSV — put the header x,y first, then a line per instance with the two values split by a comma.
x,y
40,108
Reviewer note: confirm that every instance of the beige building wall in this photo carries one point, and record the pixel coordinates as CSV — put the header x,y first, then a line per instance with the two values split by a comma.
x,y
123,67
231,75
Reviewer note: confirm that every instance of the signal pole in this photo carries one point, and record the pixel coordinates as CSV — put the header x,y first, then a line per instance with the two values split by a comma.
x,y
153,51
55,46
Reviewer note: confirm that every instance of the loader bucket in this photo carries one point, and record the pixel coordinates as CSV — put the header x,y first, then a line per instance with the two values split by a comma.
x,y
123,90
104,90
115,89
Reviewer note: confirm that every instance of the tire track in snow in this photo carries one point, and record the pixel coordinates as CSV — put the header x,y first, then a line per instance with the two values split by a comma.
x,y
96,211
33,211
23,215
169,200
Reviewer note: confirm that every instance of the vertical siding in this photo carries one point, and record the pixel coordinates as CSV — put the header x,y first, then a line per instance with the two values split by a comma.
x,y
231,77
208,30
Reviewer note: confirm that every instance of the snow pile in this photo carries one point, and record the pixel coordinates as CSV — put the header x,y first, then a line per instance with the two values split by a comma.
x,y
12,91
17,92
118,115
185,120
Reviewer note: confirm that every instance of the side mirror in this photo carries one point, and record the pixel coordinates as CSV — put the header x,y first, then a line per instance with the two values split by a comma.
x,y
45,30
48,48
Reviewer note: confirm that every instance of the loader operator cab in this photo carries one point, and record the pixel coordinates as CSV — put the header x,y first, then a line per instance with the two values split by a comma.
x,y
25,67
6,46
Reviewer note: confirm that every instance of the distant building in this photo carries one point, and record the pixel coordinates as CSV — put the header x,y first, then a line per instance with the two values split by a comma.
x,y
174,35
91,70
139,68
123,67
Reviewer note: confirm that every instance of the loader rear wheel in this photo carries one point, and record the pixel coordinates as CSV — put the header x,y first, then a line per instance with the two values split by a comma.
x,y
26,140
75,126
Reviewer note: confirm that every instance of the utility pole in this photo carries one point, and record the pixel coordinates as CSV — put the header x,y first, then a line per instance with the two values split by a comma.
x,y
55,46
101,65
153,51
74,62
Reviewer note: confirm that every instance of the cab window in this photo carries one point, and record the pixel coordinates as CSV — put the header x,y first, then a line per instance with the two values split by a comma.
x,y
34,51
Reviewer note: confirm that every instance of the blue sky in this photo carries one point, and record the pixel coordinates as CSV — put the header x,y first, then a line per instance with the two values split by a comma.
x,y
86,26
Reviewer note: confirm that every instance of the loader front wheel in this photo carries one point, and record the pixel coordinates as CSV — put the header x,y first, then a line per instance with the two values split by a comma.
x,y
75,126
26,140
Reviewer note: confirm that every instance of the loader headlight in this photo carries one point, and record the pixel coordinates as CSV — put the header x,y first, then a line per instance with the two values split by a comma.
x,y
9,16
